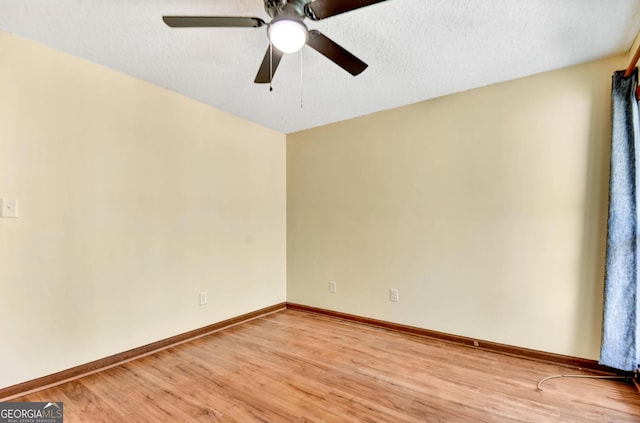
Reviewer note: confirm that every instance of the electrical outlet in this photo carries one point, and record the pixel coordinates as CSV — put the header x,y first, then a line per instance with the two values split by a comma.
x,y
394,295
333,288
204,298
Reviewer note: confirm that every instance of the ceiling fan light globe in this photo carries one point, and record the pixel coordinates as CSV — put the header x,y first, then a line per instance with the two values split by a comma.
x,y
287,35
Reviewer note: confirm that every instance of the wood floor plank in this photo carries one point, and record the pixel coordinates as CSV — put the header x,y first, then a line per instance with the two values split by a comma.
x,y
294,366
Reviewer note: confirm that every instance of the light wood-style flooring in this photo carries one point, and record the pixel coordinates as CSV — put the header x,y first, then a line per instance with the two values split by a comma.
x,y
293,366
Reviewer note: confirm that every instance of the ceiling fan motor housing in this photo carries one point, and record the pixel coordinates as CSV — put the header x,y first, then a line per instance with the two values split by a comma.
x,y
294,9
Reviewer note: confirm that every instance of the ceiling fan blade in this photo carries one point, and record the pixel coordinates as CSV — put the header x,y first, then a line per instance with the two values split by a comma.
x,y
212,21
320,9
334,52
269,65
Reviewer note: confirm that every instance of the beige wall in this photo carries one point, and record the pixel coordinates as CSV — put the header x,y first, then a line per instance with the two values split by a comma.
x,y
132,200
486,209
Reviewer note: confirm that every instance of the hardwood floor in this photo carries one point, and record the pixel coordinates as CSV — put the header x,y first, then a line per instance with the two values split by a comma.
x,y
293,366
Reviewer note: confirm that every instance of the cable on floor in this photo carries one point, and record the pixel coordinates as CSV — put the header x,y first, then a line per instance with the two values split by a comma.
x,y
543,380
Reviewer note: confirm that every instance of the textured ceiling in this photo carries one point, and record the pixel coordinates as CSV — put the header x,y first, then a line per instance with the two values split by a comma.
x,y
416,49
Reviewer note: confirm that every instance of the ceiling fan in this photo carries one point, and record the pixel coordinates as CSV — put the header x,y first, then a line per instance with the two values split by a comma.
x,y
287,31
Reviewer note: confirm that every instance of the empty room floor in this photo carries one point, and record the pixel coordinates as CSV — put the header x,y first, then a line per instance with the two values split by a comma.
x,y
294,366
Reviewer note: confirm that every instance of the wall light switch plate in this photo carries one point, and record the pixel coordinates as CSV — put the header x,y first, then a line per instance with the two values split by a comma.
x,y
394,295
8,208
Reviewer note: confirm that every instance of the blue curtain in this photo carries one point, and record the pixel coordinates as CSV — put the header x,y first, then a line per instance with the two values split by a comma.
x,y
620,334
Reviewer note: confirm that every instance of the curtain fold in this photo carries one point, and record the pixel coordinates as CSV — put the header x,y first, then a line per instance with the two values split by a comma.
x,y
620,334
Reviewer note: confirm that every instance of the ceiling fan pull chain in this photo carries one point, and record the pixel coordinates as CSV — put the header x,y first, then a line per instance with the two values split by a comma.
x,y
301,84
270,66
